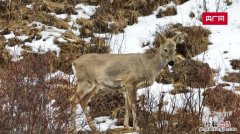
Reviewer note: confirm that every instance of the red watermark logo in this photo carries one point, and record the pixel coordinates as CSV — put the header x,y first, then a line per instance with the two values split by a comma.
x,y
215,18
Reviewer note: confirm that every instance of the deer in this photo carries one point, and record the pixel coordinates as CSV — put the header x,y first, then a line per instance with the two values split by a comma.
x,y
128,72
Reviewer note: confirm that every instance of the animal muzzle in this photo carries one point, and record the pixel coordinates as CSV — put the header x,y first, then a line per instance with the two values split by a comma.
x,y
171,63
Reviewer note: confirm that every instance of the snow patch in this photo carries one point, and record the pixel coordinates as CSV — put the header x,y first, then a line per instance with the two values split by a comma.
x,y
15,51
9,36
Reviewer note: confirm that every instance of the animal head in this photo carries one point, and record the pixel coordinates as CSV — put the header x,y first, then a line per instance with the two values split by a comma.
x,y
168,47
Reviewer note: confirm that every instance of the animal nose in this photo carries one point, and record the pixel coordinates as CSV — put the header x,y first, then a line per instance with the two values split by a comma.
x,y
171,63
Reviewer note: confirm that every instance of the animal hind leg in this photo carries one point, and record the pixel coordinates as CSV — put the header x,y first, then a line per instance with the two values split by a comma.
x,y
83,89
84,103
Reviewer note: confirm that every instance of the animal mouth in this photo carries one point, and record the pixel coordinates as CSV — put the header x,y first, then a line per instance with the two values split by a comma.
x,y
171,63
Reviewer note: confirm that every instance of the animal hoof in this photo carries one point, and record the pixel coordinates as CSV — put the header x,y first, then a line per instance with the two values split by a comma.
x,y
126,125
137,128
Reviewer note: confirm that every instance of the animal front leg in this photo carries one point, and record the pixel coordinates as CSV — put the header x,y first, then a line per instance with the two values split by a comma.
x,y
126,116
131,92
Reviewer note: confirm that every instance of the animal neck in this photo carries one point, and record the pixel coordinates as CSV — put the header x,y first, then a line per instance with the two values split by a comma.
x,y
157,62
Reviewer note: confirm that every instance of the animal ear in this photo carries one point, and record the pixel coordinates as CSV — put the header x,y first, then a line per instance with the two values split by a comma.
x,y
161,37
179,38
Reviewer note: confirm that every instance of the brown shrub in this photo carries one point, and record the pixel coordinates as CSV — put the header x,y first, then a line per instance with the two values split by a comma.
x,y
103,103
220,99
232,77
186,120
25,100
168,12
50,20
164,77
193,73
235,64
234,119
183,120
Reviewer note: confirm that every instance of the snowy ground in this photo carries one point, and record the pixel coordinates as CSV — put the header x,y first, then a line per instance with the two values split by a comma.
x,y
223,38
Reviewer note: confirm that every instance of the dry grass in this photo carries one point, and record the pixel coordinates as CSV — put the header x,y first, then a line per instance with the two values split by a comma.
x,y
70,36
232,77
98,41
122,13
50,20
85,33
22,16
56,7
170,11
26,49
86,23
237,88
100,24
235,64
14,41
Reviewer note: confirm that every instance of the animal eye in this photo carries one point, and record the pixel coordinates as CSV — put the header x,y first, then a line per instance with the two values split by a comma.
x,y
165,50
